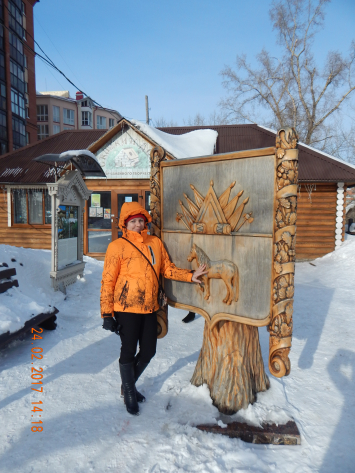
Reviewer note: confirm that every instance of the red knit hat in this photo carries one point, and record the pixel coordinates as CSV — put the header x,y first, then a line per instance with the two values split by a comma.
x,y
131,217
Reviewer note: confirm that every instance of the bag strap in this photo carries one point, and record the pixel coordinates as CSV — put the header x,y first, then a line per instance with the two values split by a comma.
x,y
123,238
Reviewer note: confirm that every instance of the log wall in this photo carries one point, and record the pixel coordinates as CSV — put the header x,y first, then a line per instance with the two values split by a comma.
x,y
29,236
316,221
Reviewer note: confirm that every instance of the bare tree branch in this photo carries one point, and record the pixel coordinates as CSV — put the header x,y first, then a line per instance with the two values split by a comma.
x,y
292,89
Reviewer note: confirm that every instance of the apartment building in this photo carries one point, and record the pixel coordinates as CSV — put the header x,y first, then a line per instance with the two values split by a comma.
x,y
18,123
56,112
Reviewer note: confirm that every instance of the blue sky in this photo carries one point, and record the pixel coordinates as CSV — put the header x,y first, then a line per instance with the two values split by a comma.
x,y
119,51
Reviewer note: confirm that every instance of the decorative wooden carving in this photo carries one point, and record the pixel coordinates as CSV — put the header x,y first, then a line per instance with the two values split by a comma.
x,y
157,154
222,269
280,326
212,215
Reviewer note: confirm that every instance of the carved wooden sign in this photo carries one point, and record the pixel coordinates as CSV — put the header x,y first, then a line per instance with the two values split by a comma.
x,y
236,213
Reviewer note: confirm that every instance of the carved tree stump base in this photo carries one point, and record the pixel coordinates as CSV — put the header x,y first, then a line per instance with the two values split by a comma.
x,y
231,365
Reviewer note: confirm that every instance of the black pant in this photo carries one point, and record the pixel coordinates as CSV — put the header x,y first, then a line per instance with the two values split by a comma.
x,y
136,328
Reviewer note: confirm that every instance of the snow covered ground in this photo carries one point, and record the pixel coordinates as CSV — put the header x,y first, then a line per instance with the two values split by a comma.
x,y
87,429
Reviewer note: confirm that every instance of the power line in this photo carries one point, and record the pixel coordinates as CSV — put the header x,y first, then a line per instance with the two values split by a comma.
x,y
48,61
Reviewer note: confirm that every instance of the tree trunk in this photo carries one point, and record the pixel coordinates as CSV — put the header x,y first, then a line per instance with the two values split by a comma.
x,y
231,365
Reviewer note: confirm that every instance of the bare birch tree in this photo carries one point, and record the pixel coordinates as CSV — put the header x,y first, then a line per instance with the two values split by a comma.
x,y
292,89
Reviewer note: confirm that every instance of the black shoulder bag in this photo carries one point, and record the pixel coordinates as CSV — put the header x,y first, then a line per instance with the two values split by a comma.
x,y
162,313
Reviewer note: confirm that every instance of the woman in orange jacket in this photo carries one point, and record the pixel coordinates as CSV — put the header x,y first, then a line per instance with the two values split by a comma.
x,y
129,294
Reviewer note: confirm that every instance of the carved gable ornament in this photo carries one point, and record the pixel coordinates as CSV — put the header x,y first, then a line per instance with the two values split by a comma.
x,y
235,213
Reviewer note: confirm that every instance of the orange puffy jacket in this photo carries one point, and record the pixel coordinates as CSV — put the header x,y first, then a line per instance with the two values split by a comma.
x,y
128,283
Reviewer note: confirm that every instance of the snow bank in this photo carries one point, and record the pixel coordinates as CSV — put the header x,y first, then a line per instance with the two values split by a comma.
x,y
189,145
34,294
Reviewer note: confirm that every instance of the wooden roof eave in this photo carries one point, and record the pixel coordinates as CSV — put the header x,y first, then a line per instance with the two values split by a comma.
x,y
118,127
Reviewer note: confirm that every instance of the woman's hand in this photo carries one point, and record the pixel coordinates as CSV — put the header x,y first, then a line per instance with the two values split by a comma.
x,y
198,273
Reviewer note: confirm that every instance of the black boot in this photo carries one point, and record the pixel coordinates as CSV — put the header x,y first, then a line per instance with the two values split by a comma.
x,y
189,318
129,388
139,367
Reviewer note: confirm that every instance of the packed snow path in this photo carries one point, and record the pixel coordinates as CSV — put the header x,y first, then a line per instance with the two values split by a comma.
x,y
87,429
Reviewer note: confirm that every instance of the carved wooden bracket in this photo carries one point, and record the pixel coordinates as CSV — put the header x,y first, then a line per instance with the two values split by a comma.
x,y
157,155
280,327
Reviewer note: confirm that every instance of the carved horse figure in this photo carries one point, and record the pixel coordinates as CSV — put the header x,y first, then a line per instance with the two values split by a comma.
x,y
221,269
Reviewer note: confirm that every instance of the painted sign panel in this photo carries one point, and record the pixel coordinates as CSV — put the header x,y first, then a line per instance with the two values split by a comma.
x,y
126,156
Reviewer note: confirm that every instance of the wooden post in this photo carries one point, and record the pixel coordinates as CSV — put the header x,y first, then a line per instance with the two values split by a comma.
x,y
156,156
280,326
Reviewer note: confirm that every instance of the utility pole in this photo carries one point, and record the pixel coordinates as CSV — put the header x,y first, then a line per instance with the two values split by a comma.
x,y
146,110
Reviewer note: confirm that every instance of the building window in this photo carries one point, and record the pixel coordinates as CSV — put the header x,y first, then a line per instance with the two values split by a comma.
x,y
2,67
68,116
17,77
25,61
18,132
68,128
3,148
38,203
1,31
86,118
16,48
111,122
42,131
27,138
56,129
18,104
15,18
42,113
86,103
2,96
56,114
100,122
3,126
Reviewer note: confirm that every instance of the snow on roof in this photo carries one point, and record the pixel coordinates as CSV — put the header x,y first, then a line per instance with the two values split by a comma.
x,y
77,152
314,149
189,145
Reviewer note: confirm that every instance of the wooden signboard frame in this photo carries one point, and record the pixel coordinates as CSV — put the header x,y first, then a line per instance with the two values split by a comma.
x,y
282,263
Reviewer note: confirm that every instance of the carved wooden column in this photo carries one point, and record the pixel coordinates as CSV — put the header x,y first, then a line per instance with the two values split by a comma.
x,y
157,154
280,326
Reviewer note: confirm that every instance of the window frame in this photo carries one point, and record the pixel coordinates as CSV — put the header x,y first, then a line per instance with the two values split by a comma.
x,y
42,113
45,135
54,107
99,120
54,128
65,119
29,225
88,119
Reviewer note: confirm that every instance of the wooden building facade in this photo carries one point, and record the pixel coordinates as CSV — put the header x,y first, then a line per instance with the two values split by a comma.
x,y
123,152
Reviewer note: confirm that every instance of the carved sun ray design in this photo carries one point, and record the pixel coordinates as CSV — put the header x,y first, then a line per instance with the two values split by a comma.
x,y
214,215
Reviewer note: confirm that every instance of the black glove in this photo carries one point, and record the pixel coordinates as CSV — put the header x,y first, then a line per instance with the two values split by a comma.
x,y
109,324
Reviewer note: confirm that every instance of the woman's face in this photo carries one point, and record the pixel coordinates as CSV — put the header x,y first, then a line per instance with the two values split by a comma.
x,y
136,224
